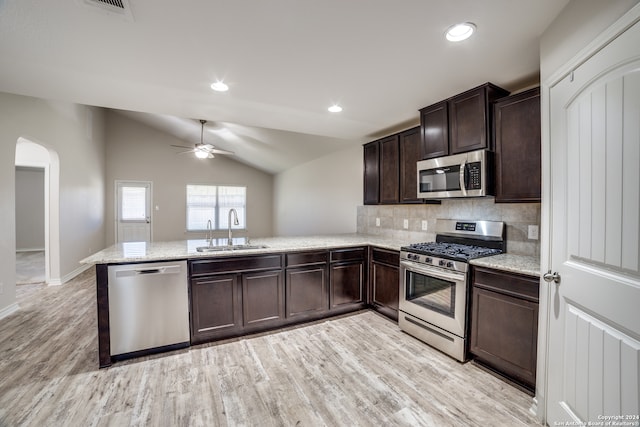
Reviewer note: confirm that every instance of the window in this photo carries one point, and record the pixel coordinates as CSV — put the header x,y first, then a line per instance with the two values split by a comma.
x,y
210,202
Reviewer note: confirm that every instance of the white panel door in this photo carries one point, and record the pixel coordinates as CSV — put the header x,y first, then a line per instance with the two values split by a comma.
x,y
594,313
133,211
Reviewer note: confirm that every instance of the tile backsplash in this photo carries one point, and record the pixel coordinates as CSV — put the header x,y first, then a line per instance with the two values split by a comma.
x,y
516,216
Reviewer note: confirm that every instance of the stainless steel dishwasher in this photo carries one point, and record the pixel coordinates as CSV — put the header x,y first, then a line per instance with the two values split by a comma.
x,y
148,306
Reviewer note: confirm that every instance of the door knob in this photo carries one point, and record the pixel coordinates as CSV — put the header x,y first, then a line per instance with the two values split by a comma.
x,y
551,277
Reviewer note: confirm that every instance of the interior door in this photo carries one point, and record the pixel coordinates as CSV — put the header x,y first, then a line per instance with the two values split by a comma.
x,y
133,211
594,310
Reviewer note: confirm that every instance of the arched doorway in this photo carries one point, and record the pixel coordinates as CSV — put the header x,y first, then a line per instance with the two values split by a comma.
x,y
30,154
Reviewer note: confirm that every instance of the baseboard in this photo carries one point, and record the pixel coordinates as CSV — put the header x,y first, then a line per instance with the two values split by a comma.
x,y
30,250
64,279
9,310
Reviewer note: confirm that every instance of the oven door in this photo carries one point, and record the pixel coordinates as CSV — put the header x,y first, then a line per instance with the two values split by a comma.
x,y
434,295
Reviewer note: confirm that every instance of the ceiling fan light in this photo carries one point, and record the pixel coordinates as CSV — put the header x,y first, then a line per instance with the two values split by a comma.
x,y
201,154
219,86
335,108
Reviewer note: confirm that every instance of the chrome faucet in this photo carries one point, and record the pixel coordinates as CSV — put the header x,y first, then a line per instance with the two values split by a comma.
x,y
235,222
209,233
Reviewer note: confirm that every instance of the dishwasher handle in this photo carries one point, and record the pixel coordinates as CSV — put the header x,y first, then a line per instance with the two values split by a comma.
x,y
165,269
151,271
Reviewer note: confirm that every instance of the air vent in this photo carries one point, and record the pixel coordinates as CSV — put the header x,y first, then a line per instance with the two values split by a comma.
x,y
119,7
111,3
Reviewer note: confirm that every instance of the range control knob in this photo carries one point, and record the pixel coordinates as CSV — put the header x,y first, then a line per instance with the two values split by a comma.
x,y
449,264
442,263
428,260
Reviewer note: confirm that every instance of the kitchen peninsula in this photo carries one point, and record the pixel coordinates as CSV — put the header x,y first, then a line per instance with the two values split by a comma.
x,y
278,282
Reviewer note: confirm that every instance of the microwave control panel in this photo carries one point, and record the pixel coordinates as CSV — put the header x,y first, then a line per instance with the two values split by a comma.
x,y
474,174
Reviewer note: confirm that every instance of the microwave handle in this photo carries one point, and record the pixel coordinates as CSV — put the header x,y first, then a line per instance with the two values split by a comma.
x,y
463,171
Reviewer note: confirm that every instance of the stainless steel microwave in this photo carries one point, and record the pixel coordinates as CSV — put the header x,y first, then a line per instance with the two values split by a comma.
x,y
460,175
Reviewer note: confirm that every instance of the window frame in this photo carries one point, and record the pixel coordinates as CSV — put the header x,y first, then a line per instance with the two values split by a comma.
x,y
216,222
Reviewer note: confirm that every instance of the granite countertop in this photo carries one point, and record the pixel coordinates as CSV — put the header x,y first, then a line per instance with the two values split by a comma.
x,y
527,265
186,249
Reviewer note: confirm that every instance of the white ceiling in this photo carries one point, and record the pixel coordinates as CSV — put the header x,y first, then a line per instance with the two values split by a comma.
x,y
285,61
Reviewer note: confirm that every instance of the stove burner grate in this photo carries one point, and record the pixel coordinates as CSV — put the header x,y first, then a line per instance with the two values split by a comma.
x,y
452,250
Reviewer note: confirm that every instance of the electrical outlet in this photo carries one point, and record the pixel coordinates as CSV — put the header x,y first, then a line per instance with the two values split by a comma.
x,y
424,225
377,222
533,231
405,224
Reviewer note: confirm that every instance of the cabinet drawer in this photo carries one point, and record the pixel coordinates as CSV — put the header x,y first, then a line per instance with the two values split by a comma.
x,y
391,258
306,258
233,264
351,254
512,284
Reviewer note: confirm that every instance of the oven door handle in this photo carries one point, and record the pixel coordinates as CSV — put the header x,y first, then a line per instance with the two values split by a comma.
x,y
418,268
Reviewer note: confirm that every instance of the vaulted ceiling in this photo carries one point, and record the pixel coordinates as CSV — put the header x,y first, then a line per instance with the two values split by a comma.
x,y
285,62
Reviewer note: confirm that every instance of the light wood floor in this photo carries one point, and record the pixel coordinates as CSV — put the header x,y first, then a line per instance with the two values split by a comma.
x,y
350,371
30,267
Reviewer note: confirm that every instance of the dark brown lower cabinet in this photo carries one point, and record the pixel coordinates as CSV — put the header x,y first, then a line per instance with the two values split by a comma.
x,y
306,284
235,295
346,279
384,274
504,323
262,298
216,309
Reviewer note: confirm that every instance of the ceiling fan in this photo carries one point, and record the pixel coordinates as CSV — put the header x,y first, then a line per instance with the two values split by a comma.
x,y
203,150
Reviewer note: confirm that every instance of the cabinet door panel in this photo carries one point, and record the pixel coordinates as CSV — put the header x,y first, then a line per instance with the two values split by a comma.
x,y
471,118
434,130
307,291
504,333
468,122
262,297
215,305
372,173
385,288
346,284
518,152
410,153
389,170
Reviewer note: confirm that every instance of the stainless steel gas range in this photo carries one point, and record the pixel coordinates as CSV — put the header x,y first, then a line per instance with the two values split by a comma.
x,y
435,284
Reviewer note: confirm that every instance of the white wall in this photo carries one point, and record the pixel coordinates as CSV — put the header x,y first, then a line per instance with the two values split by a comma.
x,y
321,196
574,28
29,208
75,133
137,152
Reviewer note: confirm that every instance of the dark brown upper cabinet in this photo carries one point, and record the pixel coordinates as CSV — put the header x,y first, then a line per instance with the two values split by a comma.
x,y
410,152
517,148
461,123
389,170
372,173
434,130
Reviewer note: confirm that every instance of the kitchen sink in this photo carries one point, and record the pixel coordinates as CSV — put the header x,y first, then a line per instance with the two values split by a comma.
x,y
229,248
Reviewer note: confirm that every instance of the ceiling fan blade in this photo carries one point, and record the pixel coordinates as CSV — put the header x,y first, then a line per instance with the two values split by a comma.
x,y
186,152
181,146
219,151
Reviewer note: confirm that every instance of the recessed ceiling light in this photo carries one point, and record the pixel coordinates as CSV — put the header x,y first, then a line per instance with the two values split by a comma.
x,y
459,32
335,108
219,86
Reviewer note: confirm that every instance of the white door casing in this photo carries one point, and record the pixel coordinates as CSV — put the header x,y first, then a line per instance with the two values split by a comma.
x,y
593,313
133,211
